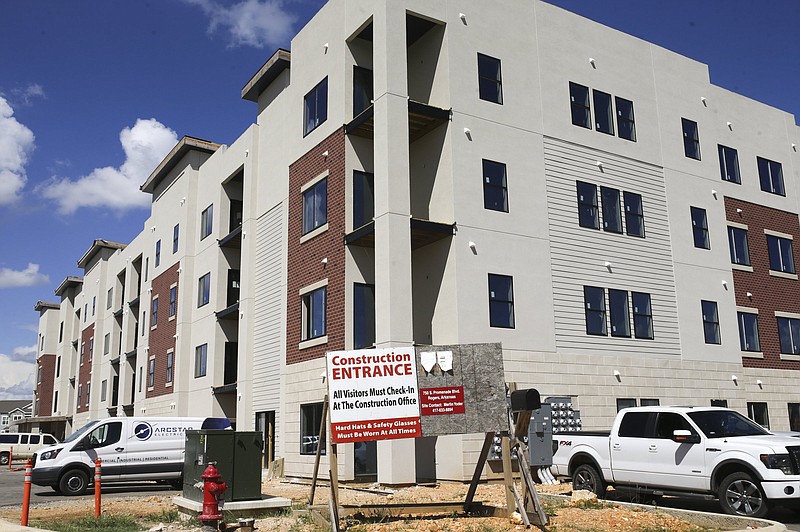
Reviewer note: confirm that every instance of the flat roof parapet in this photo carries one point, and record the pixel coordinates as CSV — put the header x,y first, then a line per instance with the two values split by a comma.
x,y
184,146
276,64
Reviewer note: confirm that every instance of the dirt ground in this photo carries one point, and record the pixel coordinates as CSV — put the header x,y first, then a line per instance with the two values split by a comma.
x,y
563,515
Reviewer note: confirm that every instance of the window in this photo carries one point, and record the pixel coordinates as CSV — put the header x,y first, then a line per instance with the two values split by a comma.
x,y
780,254
154,313
789,334
363,315
315,110
203,290
691,139
315,206
729,164
310,420
748,331
625,121
587,205
200,360
94,304
80,394
642,316
622,404
88,392
495,191
61,332
103,390
770,174
91,348
83,351
173,301
146,267
105,435
720,402
501,301
579,104
740,251
612,211
206,221
107,343
603,114
141,380
314,309
144,321
58,366
649,402
55,410
794,416
634,215
700,228
151,372
490,83
758,412
170,366
176,231
362,89
710,322
620,314
85,311
363,198
668,423
594,300
109,299
158,252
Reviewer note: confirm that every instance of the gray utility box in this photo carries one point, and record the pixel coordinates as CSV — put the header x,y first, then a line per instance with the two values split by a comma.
x,y
238,458
540,437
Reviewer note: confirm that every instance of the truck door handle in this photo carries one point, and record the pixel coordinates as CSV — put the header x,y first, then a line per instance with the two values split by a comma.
x,y
653,447
119,449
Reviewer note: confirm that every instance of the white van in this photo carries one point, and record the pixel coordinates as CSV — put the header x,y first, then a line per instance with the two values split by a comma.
x,y
130,449
16,445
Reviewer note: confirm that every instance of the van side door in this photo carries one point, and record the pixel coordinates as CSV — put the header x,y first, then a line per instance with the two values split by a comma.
x,y
107,442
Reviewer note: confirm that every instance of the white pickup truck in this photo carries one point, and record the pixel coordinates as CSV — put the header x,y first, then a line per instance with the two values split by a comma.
x,y
709,452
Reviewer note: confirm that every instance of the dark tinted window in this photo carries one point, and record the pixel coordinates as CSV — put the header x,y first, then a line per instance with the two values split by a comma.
x,y
612,210
495,190
739,248
579,104
620,315
634,215
603,114
625,121
729,164
594,300
634,424
691,139
700,228
316,107
501,301
587,205
770,174
780,254
9,438
490,83
669,422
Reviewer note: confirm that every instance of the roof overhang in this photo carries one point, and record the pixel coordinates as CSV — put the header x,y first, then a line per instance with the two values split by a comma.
x,y
276,64
41,306
98,245
184,146
67,283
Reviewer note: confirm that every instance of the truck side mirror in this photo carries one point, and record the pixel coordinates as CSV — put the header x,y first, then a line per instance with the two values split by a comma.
x,y
685,436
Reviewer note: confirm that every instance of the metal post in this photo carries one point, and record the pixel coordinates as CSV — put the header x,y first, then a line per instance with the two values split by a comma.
x,y
26,494
10,457
97,464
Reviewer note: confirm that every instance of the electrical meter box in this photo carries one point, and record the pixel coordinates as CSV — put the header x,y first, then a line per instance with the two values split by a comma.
x,y
237,456
540,437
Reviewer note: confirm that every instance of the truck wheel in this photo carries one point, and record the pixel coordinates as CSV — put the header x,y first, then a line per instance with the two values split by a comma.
x,y
739,494
587,477
3,458
73,482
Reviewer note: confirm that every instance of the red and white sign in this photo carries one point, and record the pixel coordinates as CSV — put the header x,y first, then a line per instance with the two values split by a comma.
x,y
373,395
440,401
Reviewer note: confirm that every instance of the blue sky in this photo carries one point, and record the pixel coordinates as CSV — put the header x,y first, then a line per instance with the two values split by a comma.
x,y
94,93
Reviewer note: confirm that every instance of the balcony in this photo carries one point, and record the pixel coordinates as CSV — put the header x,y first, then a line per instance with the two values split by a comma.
x,y
232,240
423,232
229,313
422,119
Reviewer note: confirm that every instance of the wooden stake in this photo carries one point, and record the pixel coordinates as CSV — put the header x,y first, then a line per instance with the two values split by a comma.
x,y
476,476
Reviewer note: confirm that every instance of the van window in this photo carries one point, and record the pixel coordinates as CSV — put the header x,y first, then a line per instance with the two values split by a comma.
x,y
106,434
9,438
49,440
23,438
35,439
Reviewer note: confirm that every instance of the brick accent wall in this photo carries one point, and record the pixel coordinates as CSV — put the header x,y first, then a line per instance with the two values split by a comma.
x,y
305,259
84,370
162,336
770,293
44,386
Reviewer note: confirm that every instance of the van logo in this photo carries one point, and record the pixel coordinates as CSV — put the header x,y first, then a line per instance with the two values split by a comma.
x,y
143,431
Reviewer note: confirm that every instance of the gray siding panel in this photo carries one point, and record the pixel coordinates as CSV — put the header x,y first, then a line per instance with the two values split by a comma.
x,y
579,254
268,310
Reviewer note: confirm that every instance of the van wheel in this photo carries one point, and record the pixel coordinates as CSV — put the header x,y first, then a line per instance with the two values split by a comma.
x,y
73,482
587,477
4,458
739,494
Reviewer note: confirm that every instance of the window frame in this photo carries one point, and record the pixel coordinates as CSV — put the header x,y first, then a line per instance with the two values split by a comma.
x,y
770,176
758,409
599,313
176,233
207,222
603,108
309,301
583,109
363,325
318,99
588,211
154,313
158,253
313,218
507,320
500,189
642,315
792,327
485,78
309,428
200,361
170,374
619,312
151,373
729,164
173,301
629,121
611,207
748,329
701,231
204,290
737,247
691,139
636,216
780,259
711,331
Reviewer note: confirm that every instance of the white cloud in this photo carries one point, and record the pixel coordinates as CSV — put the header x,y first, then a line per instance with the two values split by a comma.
x,y
27,94
16,379
30,276
25,353
257,23
16,143
145,145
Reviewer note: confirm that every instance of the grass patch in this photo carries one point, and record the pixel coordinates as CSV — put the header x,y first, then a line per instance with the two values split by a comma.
x,y
106,523
165,516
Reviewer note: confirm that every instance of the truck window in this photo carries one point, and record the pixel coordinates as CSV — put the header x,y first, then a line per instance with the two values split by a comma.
x,y
35,439
725,423
23,438
634,424
669,422
106,434
49,440
9,438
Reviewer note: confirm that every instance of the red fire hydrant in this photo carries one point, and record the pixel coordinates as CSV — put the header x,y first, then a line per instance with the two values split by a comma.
x,y
212,492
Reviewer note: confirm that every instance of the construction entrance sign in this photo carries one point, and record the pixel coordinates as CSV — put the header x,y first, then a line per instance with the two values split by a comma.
x,y
373,395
